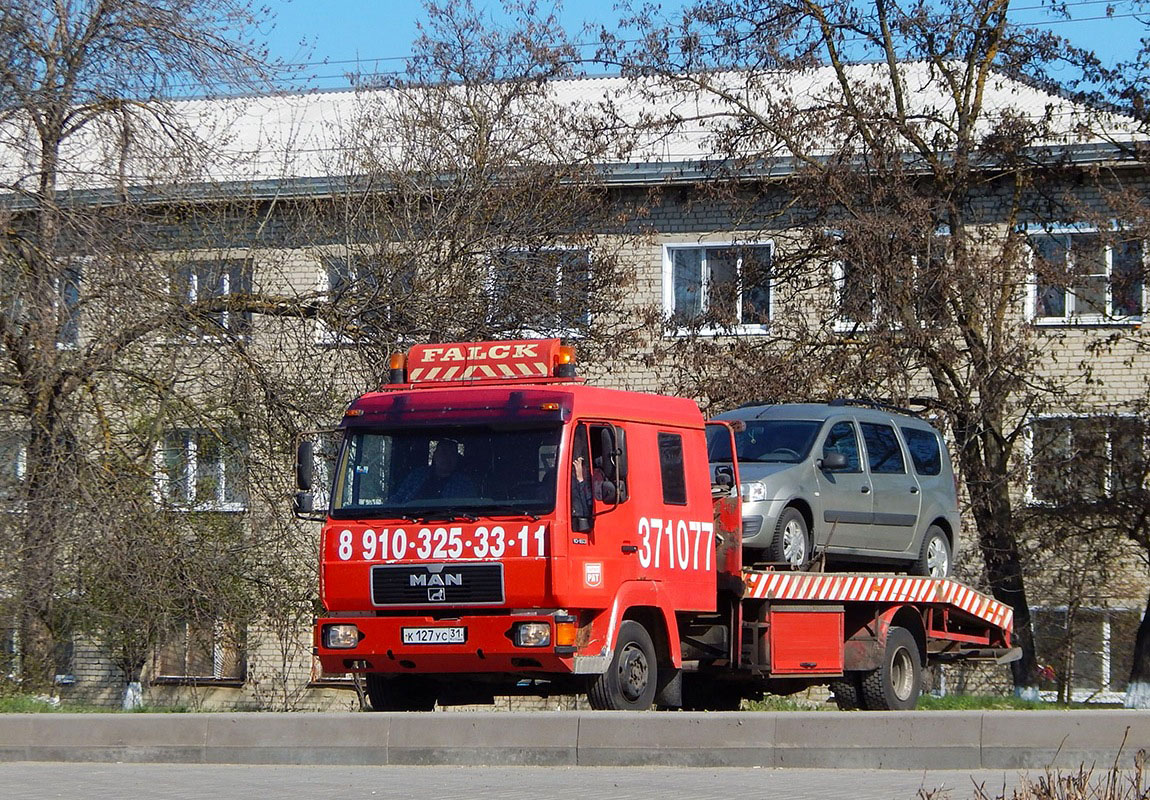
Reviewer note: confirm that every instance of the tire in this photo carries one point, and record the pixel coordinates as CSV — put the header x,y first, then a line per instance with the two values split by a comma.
x,y
792,541
630,682
400,693
896,685
848,692
934,559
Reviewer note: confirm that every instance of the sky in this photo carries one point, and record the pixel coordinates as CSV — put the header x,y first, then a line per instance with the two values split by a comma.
x,y
337,36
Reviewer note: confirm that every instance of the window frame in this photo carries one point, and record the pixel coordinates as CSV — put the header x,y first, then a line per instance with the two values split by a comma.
x,y
1032,498
841,324
493,260
1103,693
190,291
186,630
190,451
738,327
325,335
1070,316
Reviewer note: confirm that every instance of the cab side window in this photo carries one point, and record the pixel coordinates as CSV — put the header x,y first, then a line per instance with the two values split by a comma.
x,y
842,439
883,452
581,504
671,469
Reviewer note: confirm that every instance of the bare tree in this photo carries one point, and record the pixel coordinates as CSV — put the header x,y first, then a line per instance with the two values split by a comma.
x,y
81,84
902,191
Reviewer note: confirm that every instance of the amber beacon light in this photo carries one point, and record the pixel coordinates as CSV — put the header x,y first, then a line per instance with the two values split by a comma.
x,y
565,362
397,368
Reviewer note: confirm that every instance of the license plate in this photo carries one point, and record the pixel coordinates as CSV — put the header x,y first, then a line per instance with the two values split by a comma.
x,y
434,635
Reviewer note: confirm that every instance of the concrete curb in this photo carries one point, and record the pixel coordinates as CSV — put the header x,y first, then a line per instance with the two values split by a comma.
x,y
825,739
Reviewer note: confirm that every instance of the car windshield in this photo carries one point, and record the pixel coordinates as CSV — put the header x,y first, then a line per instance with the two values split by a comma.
x,y
447,472
765,440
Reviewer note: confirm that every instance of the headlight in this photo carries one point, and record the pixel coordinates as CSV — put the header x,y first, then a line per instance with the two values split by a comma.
x,y
340,637
753,492
533,634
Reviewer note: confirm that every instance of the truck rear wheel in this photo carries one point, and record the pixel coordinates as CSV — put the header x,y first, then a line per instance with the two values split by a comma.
x,y
896,684
400,693
630,681
848,692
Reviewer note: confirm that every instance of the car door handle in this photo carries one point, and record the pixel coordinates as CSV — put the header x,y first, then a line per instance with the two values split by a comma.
x,y
865,490
629,548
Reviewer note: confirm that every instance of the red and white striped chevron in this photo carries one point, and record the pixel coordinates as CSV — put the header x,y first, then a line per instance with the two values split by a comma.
x,y
877,589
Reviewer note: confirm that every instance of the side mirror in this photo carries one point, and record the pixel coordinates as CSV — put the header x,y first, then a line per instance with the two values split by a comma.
x,y
621,453
304,465
724,476
304,503
833,461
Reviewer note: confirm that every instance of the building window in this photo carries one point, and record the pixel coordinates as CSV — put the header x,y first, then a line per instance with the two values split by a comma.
x,y
866,296
369,297
68,307
1084,276
718,286
212,283
1091,651
540,291
1085,459
204,470
13,463
202,652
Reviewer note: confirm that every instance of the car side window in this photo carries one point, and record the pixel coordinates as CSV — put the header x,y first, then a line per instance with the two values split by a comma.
x,y
842,439
924,449
671,469
883,452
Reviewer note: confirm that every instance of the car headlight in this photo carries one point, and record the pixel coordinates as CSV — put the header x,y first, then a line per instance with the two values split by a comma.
x,y
340,637
533,634
753,491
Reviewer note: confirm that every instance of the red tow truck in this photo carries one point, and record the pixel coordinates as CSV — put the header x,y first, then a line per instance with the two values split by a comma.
x,y
495,526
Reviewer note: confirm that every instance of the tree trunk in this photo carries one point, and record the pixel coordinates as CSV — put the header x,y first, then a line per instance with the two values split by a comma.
x,y
1138,689
985,464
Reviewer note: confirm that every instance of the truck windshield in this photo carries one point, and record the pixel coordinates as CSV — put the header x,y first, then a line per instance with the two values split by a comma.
x,y
448,472
764,440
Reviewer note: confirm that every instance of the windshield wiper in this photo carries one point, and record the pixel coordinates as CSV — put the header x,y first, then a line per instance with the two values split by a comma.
x,y
447,515
514,511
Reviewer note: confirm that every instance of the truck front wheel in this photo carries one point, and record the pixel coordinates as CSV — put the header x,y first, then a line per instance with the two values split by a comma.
x,y
896,684
630,681
400,693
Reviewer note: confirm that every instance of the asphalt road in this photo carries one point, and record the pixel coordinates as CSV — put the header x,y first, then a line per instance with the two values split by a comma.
x,y
28,780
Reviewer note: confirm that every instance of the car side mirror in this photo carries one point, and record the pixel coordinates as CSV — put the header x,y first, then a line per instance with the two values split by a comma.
x,y
724,476
833,461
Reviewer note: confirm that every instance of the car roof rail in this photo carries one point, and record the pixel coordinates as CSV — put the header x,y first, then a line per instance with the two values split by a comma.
x,y
868,402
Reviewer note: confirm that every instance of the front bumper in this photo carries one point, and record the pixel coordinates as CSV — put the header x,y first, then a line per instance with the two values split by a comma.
x,y
488,646
759,520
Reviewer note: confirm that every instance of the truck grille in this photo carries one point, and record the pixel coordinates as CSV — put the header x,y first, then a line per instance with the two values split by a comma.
x,y
436,584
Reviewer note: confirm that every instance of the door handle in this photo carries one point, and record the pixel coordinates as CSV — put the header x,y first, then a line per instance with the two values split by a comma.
x,y
865,490
629,548
914,490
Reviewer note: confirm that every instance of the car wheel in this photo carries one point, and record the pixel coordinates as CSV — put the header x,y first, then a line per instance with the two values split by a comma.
x,y
897,683
792,542
630,681
934,555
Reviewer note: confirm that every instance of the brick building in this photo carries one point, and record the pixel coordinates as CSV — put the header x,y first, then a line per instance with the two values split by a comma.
x,y
268,218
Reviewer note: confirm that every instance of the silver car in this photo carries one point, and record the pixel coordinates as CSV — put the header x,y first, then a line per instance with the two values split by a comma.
x,y
862,484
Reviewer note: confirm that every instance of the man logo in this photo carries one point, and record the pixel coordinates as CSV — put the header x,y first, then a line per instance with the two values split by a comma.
x,y
436,595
